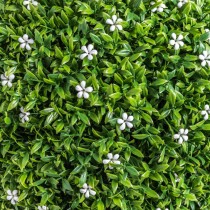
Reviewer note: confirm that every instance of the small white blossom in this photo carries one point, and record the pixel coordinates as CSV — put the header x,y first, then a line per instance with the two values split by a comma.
x,y
24,115
176,41
43,208
182,135
88,51
7,80
83,91
28,2
181,3
160,8
111,159
12,196
205,58
25,42
115,23
125,121
206,112
87,190
177,179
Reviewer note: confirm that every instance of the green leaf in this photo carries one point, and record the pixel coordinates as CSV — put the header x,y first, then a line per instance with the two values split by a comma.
x,y
151,193
100,205
95,38
36,147
84,118
65,59
24,161
132,171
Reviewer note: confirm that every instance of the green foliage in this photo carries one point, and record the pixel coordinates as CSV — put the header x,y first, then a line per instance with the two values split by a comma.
x,y
137,71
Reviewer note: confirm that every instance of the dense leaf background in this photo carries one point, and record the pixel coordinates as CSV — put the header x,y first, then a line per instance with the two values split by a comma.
x,y
49,158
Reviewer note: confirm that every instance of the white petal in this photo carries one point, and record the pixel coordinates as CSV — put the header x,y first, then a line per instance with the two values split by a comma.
x,y
26,118
28,7
203,63
106,161
15,198
176,136
90,48
84,48
110,167
112,28
110,155
94,52
20,39
180,37
83,191
201,57
125,116
78,88
130,118
205,53
172,42
35,3
13,202
203,112
9,84
92,192
26,2
181,131
9,197
116,156
11,76
82,56
185,137
119,20
163,6
87,194
180,140
9,192
119,27
85,186
89,89
25,37
109,21
22,110
3,76
90,57
176,47
122,127
173,35
86,95
80,94
154,10
206,116
4,82
114,18
23,45
160,9
30,41
116,162
28,47
180,4
181,43
130,125
83,84
152,3
208,62
186,131
120,121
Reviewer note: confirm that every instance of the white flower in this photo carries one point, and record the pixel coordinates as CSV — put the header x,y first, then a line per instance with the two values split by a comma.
x,y
125,121
87,190
7,80
176,41
88,51
25,42
205,58
114,22
24,115
160,8
206,112
83,91
27,2
12,196
112,159
182,135
177,179
181,3
43,208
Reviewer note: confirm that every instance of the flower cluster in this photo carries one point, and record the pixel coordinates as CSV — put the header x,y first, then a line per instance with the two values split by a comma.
x,y
182,135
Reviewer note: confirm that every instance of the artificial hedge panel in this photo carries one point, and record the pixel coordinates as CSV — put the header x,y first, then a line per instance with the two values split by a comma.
x,y
104,104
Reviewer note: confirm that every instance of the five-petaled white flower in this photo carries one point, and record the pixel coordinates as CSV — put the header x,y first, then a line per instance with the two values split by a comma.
x,y
43,208
114,22
24,115
87,190
176,41
7,80
125,121
181,3
28,2
205,58
160,8
111,160
12,196
25,42
206,112
83,91
177,179
182,135
88,51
